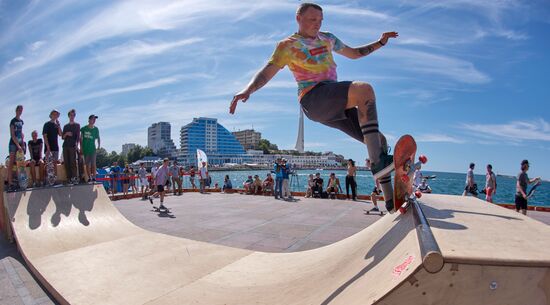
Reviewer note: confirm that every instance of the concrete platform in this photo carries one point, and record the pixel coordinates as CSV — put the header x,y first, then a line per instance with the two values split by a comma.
x,y
256,223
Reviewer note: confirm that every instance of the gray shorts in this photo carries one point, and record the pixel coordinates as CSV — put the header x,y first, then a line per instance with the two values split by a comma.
x,y
326,103
89,160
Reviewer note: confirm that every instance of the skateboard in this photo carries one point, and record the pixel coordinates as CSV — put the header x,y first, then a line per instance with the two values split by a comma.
x,y
50,169
403,158
21,172
159,210
374,211
533,189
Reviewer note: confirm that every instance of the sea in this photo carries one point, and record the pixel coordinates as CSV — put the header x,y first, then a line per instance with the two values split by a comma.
x,y
443,183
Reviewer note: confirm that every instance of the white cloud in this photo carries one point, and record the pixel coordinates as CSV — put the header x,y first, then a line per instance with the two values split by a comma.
x,y
439,138
516,131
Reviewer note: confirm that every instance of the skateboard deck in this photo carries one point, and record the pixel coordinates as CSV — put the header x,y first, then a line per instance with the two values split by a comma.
x,y
50,169
374,212
403,158
21,173
159,210
533,189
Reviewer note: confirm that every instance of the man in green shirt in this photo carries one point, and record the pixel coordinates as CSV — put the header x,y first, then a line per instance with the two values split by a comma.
x,y
89,134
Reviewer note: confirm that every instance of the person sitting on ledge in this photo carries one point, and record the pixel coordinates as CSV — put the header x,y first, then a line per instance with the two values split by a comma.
x,y
333,186
257,185
310,185
226,184
248,185
268,184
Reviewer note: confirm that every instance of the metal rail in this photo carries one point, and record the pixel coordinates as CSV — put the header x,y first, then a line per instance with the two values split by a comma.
x,y
432,259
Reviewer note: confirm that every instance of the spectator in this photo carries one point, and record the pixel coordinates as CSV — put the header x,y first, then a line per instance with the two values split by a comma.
x,y
114,172
192,177
257,185
286,174
133,181
490,183
268,183
125,177
317,186
424,187
310,185
248,185
176,180
16,142
203,175
333,185
351,181
51,132
35,152
142,174
471,186
89,135
277,168
71,137
521,187
376,191
227,184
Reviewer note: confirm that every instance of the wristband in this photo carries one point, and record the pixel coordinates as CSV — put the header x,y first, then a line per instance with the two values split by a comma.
x,y
380,41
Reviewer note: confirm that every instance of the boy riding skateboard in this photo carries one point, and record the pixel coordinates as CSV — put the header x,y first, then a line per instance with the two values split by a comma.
x,y
347,106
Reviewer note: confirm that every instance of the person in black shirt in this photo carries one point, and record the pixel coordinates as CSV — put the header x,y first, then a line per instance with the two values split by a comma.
x,y
71,137
521,188
16,142
35,152
50,132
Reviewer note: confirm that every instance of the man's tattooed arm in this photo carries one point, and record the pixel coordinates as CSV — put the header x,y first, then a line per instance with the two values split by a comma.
x,y
367,49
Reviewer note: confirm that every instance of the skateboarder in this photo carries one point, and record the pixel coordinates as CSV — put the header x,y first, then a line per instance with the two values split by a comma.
x,y
160,179
348,106
521,187
16,142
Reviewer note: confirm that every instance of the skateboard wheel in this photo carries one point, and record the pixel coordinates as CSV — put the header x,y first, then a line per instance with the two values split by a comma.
x,y
405,178
418,194
402,210
423,159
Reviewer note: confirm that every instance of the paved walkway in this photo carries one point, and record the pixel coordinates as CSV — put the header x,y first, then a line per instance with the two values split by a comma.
x,y
243,221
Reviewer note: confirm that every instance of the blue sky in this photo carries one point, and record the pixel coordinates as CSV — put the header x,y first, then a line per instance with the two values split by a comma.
x,y
468,79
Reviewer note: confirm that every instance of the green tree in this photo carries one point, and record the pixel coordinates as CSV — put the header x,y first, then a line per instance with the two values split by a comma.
x,y
267,146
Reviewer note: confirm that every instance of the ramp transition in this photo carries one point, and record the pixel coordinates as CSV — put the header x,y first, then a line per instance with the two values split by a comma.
x,y
450,250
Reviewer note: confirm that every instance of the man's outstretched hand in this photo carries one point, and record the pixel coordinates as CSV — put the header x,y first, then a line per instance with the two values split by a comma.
x,y
241,96
387,35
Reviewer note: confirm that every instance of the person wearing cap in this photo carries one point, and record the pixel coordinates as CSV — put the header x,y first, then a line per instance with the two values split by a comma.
x,y
51,133
521,187
88,136
471,186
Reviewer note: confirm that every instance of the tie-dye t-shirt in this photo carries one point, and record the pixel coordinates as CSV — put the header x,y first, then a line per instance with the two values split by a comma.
x,y
309,59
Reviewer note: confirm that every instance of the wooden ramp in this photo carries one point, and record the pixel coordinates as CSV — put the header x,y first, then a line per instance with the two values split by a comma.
x,y
447,250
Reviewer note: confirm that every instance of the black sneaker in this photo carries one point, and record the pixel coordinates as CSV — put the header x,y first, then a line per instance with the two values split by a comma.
x,y
162,207
375,209
150,199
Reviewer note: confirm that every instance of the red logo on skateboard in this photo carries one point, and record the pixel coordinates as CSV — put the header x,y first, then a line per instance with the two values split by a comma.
x,y
397,270
317,51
